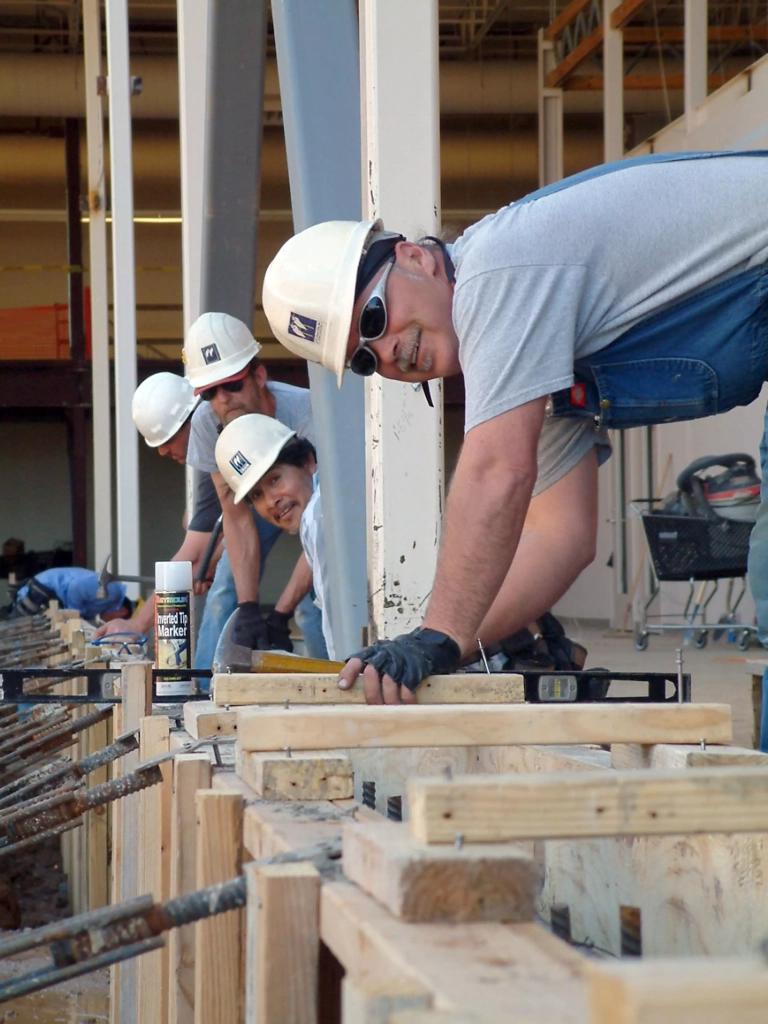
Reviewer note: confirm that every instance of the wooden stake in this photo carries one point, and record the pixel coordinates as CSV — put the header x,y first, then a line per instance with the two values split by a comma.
x,y
300,728
302,776
373,999
154,874
568,805
192,772
283,944
218,940
684,755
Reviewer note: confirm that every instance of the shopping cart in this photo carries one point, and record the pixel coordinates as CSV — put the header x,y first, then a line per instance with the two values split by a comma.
x,y
688,541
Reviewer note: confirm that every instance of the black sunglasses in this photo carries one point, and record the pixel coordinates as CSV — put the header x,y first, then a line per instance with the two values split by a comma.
x,y
231,385
371,325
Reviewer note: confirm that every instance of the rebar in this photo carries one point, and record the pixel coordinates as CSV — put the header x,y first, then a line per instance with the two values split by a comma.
x,y
369,795
11,738
560,920
395,808
62,737
630,922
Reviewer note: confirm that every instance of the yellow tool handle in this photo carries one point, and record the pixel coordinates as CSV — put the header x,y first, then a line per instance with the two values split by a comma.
x,y
282,661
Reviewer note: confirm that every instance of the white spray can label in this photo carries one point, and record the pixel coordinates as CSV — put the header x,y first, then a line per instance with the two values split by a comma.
x,y
174,610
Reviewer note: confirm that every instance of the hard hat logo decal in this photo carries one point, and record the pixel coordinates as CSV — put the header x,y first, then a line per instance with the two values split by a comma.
x,y
210,354
239,463
303,327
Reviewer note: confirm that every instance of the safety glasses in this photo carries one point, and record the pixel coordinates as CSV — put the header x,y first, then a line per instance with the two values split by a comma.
x,y
231,385
371,326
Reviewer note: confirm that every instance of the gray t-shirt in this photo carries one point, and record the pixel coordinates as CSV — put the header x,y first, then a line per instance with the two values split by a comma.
x,y
207,505
543,283
293,407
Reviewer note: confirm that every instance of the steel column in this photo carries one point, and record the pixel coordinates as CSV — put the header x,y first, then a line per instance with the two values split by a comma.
x,y
97,245
613,85
319,87
76,416
123,291
237,41
550,116
401,184
695,58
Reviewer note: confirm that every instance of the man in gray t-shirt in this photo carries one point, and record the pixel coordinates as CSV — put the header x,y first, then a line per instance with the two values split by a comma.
x,y
631,294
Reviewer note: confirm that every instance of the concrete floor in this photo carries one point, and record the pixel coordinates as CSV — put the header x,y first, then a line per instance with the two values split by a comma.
x,y
718,673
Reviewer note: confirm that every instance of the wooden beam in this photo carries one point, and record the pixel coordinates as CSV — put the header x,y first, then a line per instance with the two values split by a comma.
x,y
715,34
577,56
582,83
202,718
625,12
218,940
401,726
438,1017
613,803
153,840
283,944
374,1000
707,990
306,688
494,882
97,824
564,19
684,755
502,972
191,772
302,776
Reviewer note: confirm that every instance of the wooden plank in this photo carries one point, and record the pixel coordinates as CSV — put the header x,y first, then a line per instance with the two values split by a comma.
x,y
302,776
498,972
707,991
373,1000
153,840
563,805
684,755
564,19
567,758
238,689
635,81
202,718
283,944
439,1017
135,687
625,12
400,726
218,940
97,825
577,56
493,882
191,772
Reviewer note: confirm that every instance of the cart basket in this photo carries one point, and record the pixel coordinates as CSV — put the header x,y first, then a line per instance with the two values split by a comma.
x,y
685,547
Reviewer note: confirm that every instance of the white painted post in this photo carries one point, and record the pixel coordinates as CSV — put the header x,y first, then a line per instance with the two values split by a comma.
x,y
192,31
695,58
97,243
401,184
613,85
123,290
550,116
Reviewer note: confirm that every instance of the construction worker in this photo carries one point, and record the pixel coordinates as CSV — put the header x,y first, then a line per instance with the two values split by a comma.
x,y
75,588
162,410
265,463
631,294
221,357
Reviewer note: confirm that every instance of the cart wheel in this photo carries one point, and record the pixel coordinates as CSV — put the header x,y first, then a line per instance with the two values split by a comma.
x,y
744,639
700,639
641,641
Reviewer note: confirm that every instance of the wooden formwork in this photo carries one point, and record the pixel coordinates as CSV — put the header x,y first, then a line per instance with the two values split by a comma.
x,y
436,919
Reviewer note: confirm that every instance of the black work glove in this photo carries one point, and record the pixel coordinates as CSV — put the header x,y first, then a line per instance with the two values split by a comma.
x,y
411,657
279,634
251,628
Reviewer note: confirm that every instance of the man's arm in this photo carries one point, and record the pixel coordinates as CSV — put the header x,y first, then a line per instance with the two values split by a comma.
x,y
143,621
297,587
242,539
557,543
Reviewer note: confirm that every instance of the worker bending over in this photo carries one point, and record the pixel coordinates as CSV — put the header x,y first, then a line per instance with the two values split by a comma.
x,y
75,588
266,464
632,294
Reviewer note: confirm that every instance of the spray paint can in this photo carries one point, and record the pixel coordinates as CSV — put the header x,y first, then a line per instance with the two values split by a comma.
x,y
174,609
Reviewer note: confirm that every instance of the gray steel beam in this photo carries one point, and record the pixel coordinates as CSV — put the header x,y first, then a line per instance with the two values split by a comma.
x,y
318,67
237,55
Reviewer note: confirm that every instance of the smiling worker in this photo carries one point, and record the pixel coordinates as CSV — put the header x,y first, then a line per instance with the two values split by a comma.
x,y
632,294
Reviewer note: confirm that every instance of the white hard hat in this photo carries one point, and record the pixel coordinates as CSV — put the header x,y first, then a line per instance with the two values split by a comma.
x,y
218,349
309,290
161,406
247,448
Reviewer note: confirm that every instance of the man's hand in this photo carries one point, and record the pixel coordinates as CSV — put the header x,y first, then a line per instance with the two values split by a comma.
x,y
119,626
393,669
279,633
251,628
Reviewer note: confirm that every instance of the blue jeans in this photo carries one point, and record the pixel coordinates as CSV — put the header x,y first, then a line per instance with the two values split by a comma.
x,y
222,601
